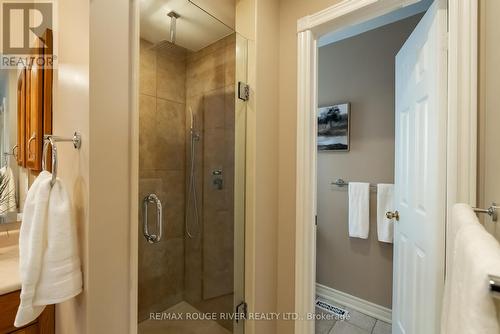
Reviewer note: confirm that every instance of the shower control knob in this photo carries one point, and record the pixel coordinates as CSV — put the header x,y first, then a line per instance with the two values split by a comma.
x,y
217,179
392,215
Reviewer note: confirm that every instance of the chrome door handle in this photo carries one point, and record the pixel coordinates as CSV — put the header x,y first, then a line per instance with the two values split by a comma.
x,y
152,238
392,215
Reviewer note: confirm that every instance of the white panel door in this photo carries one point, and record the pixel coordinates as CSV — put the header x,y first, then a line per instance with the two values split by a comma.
x,y
420,180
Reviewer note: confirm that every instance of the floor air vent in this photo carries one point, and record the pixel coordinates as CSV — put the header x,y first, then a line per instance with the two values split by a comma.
x,y
341,313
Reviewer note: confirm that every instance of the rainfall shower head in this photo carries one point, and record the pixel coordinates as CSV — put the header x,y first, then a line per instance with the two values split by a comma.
x,y
173,31
173,25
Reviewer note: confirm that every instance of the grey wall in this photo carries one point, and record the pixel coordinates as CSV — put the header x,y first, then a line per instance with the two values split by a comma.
x,y
359,70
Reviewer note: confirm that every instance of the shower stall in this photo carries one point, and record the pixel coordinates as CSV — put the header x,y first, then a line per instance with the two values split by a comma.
x,y
191,170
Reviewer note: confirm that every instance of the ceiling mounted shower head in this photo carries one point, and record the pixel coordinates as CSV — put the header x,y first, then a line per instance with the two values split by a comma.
x,y
173,25
173,31
173,14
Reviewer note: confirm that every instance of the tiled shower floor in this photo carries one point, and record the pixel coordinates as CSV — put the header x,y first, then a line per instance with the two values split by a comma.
x,y
357,323
181,326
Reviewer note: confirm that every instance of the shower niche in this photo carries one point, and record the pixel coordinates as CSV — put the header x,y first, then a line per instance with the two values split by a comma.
x,y
190,153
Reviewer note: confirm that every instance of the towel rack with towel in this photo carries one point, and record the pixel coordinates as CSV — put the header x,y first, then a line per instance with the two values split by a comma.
x,y
11,153
494,281
52,140
342,183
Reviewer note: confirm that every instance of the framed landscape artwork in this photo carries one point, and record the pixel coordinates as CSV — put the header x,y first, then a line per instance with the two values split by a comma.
x,y
333,127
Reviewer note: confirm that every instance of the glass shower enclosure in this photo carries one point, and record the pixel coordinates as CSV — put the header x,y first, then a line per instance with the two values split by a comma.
x,y
191,171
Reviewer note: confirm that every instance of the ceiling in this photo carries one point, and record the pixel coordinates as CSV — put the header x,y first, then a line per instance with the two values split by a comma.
x,y
196,28
397,15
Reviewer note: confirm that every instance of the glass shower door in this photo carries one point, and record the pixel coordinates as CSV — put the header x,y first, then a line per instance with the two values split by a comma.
x,y
192,164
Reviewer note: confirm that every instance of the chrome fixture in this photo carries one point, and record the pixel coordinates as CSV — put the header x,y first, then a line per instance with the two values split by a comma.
x,y
192,193
217,179
12,153
494,282
341,184
173,25
173,32
491,211
392,215
152,238
243,91
52,140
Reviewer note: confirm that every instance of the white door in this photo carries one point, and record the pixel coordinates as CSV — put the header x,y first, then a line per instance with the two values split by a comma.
x,y
420,180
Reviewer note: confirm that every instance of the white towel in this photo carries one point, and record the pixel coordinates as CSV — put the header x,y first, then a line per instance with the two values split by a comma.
x,y
385,202
8,195
468,307
359,209
48,257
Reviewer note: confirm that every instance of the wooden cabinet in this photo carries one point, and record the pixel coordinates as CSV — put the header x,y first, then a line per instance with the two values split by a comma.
x,y
34,110
34,118
45,324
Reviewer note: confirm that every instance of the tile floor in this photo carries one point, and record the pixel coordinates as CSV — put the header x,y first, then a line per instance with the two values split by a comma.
x,y
357,323
181,326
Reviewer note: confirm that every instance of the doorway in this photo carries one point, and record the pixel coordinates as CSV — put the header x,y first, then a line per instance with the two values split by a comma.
x,y
361,90
448,190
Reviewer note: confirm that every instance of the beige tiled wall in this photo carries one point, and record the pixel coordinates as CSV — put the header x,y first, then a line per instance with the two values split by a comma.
x,y
162,171
173,84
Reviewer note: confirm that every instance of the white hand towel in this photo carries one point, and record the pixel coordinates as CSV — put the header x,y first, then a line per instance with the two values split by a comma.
x,y
359,209
468,307
48,253
385,202
9,192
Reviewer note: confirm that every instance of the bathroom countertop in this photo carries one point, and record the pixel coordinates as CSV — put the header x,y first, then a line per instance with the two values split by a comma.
x,y
9,269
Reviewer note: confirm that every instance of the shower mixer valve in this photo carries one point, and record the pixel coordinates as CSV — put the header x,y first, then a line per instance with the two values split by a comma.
x,y
217,179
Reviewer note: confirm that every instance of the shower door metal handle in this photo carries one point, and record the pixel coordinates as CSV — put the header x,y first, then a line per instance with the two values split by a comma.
x,y
152,238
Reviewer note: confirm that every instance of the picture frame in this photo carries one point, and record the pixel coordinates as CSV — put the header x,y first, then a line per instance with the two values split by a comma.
x,y
334,128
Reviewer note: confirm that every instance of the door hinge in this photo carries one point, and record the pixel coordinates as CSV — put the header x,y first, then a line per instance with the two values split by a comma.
x,y
243,91
241,311
316,220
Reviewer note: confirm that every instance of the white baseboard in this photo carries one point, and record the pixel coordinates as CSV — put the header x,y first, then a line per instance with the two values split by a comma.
x,y
358,304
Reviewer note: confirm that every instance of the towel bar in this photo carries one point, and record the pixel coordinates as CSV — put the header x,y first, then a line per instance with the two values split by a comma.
x,y
52,140
491,211
11,153
341,183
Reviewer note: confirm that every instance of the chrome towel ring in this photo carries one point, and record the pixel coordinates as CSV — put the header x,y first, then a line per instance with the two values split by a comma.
x,y
52,140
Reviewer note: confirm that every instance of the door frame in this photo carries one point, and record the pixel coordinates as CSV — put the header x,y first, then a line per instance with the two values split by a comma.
x,y
461,156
